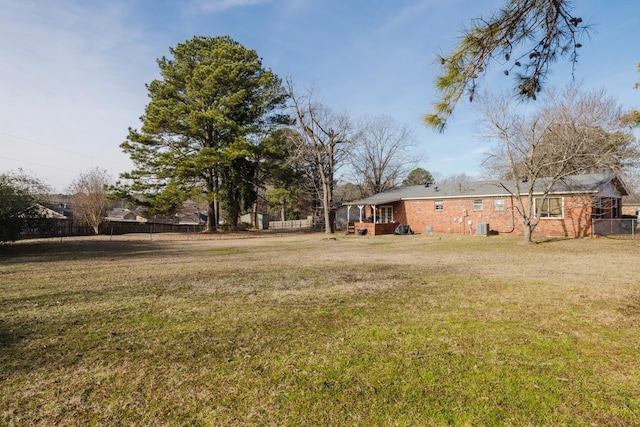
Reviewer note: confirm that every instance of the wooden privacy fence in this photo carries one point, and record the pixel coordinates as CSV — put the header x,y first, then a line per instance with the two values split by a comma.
x,y
117,227
48,227
51,227
290,225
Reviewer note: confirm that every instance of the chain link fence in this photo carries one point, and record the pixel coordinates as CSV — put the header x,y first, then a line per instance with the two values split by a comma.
x,y
623,228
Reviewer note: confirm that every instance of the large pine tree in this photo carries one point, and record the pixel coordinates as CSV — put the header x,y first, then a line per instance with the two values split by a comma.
x,y
211,105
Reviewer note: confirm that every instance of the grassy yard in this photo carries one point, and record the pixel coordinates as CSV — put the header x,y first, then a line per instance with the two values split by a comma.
x,y
303,330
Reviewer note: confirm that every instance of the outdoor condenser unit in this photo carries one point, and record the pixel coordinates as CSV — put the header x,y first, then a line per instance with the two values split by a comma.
x,y
482,229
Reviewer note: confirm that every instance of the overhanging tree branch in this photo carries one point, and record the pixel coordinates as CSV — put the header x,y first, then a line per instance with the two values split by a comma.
x,y
526,36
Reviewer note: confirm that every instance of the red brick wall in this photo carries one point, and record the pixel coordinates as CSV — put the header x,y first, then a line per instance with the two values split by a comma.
x,y
457,213
375,229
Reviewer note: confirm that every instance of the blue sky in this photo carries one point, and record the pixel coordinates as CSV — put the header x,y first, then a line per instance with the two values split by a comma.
x,y
73,72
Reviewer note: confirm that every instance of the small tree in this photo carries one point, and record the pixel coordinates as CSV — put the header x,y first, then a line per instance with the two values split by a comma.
x,y
273,169
89,197
19,193
574,132
280,197
418,176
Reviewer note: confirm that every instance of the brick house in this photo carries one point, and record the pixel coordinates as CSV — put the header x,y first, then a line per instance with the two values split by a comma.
x,y
489,207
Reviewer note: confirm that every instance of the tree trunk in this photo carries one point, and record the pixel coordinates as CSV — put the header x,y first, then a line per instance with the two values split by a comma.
x,y
326,206
529,224
234,220
212,205
527,233
254,215
217,213
211,217
332,220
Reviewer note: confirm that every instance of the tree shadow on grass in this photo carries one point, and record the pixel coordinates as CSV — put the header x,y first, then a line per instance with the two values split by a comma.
x,y
24,348
53,250
61,341
9,336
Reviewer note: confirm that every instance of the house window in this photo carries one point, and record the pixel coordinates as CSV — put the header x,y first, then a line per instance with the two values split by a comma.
x,y
385,214
551,207
499,205
477,205
439,205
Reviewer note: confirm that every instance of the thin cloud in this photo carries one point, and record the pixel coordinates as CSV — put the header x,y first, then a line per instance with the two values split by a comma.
x,y
69,84
220,5
409,12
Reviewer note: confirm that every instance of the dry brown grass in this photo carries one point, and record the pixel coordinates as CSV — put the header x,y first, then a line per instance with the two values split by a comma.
x,y
302,329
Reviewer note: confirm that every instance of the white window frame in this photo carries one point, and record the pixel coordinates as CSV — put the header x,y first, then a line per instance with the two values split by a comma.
x,y
548,201
477,207
499,204
438,205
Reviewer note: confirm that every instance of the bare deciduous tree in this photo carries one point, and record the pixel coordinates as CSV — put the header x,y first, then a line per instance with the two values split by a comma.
x,y
323,141
382,155
89,197
573,132
458,178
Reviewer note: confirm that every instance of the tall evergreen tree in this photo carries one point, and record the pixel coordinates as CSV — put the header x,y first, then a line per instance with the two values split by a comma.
x,y
213,98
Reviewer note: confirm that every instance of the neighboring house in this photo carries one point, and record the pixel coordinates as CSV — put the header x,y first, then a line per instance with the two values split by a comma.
x,y
631,205
123,215
42,221
489,207
261,220
189,218
41,211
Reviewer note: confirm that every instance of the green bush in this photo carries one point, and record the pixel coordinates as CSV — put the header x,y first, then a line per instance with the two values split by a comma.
x,y
17,204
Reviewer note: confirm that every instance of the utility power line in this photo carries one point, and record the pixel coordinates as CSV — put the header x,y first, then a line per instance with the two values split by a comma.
x,y
59,149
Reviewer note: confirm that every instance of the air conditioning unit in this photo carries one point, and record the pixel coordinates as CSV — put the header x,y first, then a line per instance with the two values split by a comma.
x,y
482,229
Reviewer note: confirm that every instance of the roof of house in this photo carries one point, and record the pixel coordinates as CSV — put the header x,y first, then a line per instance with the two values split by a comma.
x,y
575,184
44,212
123,215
